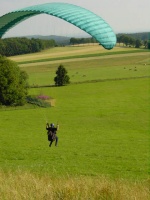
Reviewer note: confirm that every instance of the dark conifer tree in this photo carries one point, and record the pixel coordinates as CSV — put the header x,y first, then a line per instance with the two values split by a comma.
x,y
61,76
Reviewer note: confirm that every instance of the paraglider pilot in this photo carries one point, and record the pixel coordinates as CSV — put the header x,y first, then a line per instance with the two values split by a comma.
x,y
51,132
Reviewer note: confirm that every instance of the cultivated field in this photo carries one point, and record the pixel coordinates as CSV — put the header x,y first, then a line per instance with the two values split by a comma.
x,y
103,149
67,51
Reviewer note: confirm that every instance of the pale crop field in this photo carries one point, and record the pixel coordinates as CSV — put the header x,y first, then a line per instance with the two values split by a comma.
x,y
103,149
67,51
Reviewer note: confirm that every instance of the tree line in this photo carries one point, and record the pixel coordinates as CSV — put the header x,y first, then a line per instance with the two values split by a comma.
x,y
74,41
131,41
142,35
18,46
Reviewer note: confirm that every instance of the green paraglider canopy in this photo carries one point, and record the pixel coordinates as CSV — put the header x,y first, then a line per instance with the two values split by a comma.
x,y
84,19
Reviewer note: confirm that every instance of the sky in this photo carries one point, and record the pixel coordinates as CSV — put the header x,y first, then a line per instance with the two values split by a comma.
x,y
124,16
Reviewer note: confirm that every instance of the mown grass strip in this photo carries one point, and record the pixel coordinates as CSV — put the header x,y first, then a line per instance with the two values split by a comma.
x,y
95,81
110,79
83,56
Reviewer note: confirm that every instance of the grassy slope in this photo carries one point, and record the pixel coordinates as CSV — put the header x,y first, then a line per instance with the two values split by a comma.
x,y
103,126
102,131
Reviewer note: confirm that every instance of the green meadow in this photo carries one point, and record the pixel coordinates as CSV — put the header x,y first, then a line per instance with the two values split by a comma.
x,y
103,116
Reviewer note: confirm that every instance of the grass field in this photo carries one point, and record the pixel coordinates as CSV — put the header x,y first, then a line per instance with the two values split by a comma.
x,y
83,69
103,137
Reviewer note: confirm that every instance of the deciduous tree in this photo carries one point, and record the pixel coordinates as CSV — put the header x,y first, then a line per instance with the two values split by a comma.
x,y
13,83
138,43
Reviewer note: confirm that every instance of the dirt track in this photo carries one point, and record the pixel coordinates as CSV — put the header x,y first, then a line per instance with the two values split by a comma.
x,y
81,59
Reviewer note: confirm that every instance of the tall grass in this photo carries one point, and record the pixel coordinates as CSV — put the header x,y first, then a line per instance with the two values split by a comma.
x,y
23,185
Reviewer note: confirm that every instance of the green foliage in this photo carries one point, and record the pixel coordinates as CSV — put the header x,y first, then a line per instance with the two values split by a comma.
x,y
138,43
62,78
82,40
148,45
13,83
17,46
129,40
141,36
125,39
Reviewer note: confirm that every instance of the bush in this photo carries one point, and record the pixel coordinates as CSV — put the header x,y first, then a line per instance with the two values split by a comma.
x,y
37,101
